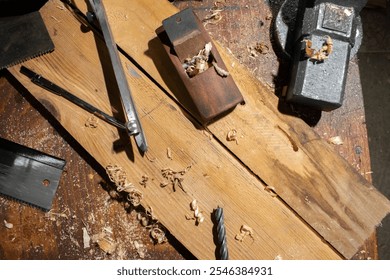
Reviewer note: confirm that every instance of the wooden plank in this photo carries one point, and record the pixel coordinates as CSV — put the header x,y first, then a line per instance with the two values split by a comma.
x,y
324,190
215,178
58,234
243,25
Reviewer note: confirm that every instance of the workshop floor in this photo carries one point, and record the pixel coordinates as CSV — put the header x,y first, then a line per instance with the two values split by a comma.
x,y
374,61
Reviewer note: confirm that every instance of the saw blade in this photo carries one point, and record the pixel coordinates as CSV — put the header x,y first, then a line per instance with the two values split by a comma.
x,y
23,37
29,175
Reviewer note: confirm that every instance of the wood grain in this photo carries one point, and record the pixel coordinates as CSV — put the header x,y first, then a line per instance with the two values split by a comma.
x,y
285,137
319,189
58,234
215,178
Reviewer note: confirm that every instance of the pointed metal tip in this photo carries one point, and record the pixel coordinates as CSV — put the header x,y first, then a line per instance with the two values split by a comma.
x,y
141,143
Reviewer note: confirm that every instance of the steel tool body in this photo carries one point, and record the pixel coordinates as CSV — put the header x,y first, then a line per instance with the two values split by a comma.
x,y
132,120
320,37
46,84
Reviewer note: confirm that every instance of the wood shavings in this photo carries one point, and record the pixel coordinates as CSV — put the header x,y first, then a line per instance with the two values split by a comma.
x,y
91,122
198,215
108,246
135,197
175,178
158,234
244,232
104,241
150,158
86,238
169,153
221,72
232,136
321,54
201,62
118,176
144,180
258,48
147,218
8,225
51,215
336,140
198,63
141,250
215,14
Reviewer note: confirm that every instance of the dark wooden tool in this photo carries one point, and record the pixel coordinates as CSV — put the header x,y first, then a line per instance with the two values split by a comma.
x,y
209,85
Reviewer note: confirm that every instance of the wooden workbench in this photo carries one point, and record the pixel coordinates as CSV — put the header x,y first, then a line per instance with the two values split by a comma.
x,y
59,233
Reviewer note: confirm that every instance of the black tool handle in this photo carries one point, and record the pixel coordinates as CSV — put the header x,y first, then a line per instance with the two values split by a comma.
x,y
46,84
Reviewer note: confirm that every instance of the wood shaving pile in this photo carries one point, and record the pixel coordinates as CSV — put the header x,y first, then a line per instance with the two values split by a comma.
x,y
118,176
244,232
321,54
175,178
200,63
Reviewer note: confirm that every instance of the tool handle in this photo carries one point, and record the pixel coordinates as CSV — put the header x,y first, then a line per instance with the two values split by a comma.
x,y
48,85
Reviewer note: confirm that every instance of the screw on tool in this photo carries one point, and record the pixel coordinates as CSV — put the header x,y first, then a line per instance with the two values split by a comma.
x,y
222,250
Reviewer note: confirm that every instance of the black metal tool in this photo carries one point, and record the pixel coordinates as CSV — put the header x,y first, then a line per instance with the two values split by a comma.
x,y
320,36
222,250
46,84
132,123
23,34
29,175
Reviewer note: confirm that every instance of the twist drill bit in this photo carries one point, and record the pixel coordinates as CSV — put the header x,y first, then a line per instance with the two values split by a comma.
x,y
222,250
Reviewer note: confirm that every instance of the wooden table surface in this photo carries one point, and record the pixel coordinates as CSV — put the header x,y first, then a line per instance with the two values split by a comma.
x,y
58,234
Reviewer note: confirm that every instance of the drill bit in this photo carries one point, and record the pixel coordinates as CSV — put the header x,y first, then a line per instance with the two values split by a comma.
x,y
222,250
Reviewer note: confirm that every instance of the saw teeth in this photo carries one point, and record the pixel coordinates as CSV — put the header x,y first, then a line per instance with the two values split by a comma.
x,y
26,59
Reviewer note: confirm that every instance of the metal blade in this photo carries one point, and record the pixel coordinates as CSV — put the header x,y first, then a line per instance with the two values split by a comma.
x,y
28,175
133,124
